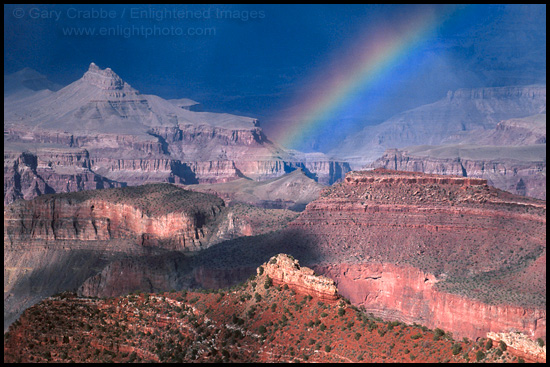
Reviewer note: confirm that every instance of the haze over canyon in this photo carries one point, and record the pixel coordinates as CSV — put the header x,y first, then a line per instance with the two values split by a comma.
x,y
351,183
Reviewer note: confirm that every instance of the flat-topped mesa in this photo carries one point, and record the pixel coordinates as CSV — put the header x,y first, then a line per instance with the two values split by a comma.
x,y
283,269
154,215
382,175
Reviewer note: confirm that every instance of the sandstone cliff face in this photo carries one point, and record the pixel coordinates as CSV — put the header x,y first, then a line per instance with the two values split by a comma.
x,y
187,155
283,269
27,175
443,251
409,295
56,220
516,175
109,242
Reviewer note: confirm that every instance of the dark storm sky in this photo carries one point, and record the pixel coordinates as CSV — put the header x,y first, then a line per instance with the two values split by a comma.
x,y
257,60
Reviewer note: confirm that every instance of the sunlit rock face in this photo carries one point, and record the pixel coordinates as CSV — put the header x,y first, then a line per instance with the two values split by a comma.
x,y
283,269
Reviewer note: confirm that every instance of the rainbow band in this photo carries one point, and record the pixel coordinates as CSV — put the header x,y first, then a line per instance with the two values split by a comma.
x,y
361,70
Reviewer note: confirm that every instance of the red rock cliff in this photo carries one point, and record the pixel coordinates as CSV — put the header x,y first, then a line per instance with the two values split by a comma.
x,y
444,251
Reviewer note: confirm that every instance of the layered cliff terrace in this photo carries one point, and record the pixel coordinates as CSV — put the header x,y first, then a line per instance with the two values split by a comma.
x,y
382,175
396,188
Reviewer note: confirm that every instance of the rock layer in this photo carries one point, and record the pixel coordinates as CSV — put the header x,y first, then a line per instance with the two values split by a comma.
x,y
407,294
109,242
444,251
522,346
129,138
432,249
502,167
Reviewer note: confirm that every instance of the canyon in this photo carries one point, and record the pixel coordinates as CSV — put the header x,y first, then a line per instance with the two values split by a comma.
x,y
460,112
446,252
107,134
291,191
283,313
57,242
444,247
442,251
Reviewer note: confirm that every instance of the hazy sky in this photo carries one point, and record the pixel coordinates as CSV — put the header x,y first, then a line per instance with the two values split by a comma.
x,y
260,60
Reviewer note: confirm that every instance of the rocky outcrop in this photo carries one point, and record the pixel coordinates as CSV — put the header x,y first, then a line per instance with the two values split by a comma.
x,y
27,174
55,242
285,270
53,220
522,346
442,251
113,241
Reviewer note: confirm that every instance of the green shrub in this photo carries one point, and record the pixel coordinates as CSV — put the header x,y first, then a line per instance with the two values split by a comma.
x,y
456,348
480,355
502,345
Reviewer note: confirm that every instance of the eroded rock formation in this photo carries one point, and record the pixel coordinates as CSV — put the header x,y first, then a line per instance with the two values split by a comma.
x,y
112,241
283,269
522,346
519,170
128,138
444,251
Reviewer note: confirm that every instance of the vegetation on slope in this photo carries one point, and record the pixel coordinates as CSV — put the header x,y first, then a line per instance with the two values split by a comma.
x,y
251,322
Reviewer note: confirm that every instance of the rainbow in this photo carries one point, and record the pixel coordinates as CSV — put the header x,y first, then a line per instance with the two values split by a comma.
x,y
362,66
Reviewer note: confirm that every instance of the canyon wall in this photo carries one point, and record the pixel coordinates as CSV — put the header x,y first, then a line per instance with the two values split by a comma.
x,y
442,251
132,139
410,295
514,174
460,112
55,242
113,241
188,155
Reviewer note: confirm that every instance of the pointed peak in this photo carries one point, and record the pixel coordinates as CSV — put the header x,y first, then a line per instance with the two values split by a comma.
x,y
105,79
